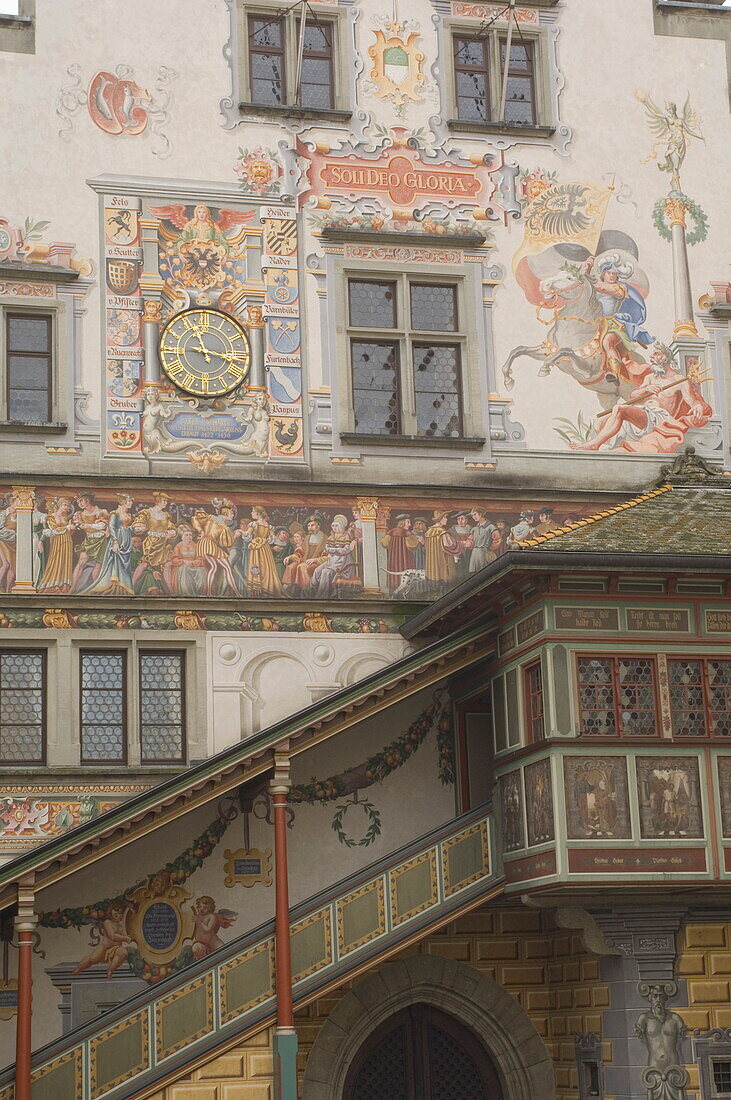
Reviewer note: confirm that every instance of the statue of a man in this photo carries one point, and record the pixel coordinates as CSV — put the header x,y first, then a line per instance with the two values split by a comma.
x,y
661,1031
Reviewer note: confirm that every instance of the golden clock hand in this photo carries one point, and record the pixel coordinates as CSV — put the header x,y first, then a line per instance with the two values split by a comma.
x,y
201,346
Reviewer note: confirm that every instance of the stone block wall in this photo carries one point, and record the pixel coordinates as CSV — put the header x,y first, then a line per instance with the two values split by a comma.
x,y
244,1072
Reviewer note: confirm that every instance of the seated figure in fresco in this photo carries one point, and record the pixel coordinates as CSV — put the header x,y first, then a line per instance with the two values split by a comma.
x,y
185,573
208,923
657,416
339,564
311,554
292,563
110,941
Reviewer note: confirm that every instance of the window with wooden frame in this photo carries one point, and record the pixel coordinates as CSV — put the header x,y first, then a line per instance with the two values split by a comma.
x,y
406,348
28,367
618,696
479,79
700,697
103,706
162,706
533,695
273,49
22,706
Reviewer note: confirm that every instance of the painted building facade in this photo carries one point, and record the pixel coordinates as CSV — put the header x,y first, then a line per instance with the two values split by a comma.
x,y
364,494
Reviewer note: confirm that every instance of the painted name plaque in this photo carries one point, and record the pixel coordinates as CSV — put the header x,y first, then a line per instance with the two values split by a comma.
x,y
674,620
647,861
586,618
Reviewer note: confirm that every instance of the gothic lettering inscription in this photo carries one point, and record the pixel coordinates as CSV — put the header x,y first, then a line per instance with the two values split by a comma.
x,y
718,622
586,618
673,619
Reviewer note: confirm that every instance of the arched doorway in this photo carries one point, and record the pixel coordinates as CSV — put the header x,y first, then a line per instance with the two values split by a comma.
x,y
421,1053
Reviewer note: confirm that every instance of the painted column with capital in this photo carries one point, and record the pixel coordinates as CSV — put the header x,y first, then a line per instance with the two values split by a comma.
x,y
366,509
23,501
255,323
676,212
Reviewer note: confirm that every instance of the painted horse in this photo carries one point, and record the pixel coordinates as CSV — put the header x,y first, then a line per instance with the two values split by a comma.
x,y
577,341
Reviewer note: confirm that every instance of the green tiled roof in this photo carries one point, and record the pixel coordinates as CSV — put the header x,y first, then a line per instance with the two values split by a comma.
x,y
668,520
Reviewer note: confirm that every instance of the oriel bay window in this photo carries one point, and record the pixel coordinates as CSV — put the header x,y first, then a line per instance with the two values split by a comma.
x,y
618,696
700,697
407,349
275,76
533,687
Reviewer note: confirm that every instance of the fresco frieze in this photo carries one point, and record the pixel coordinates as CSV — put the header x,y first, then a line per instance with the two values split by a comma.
x,y
157,543
669,795
597,800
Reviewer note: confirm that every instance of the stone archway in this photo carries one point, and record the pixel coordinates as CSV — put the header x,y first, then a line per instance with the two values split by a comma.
x,y
497,1019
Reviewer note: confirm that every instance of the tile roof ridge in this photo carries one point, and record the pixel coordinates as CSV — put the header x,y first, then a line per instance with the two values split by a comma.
x,y
587,520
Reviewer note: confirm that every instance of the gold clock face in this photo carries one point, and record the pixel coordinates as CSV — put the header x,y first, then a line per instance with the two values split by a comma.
x,y
204,352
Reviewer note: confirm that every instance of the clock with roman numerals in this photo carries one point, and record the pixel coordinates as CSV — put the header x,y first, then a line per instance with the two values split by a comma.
x,y
204,352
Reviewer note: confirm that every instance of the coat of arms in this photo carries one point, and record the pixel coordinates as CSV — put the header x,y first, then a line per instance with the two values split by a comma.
x,y
397,63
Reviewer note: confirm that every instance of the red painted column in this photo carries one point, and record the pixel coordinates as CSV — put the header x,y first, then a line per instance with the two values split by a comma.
x,y
25,923
285,1016
285,1036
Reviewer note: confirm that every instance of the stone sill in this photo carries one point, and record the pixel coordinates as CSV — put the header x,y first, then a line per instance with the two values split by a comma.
x,y
34,427
15,22
465,443
265,110
714,6
470,240
43,273
463,126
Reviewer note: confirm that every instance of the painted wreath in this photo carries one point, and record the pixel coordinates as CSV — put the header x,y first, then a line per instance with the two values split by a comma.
x,y
699,218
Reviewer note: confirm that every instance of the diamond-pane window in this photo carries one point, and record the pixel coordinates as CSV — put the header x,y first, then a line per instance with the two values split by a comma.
x,y
22,707
617,696
700,697
403,382
103,706
162,707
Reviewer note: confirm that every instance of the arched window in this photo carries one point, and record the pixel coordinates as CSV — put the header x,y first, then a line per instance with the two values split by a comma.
x,y
421,1053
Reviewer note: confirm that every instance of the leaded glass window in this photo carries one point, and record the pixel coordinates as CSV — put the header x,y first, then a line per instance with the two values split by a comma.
x,y
273,64
103,706
29,367
700,697
162,707
22,706
406,354
471,78
617,696
480,78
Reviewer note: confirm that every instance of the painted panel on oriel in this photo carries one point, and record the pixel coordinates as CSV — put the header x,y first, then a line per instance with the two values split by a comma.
x,y
669,795
597,801
511,800
539,802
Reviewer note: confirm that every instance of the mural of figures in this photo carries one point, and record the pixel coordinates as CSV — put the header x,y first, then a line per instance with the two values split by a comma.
x,y
597,802
670,801
539,803
511,800
591,291
194,544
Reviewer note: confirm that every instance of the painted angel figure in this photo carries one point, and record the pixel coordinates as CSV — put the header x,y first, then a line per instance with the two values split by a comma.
x,y
673,131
